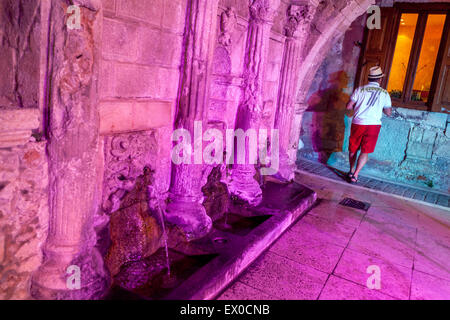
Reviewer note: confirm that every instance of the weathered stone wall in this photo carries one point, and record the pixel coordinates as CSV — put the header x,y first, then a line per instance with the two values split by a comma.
x,y
23,160
19,52
413,147
23,216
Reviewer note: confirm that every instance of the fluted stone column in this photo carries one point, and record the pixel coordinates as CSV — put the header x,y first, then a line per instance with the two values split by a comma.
x,y
296,30
72,267
296,126
242,183
185,208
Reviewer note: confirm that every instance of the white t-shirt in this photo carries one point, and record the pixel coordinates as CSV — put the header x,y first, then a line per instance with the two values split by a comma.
x,y
369,103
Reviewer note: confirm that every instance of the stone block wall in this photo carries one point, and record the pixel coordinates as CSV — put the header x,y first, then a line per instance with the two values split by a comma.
x,y
142,50
139,78
413,148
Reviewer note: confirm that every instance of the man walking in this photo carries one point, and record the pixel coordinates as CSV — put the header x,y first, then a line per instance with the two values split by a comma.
x,y
369,102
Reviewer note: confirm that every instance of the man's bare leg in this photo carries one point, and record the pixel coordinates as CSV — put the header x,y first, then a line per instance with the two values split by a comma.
x,y
362,160
352,159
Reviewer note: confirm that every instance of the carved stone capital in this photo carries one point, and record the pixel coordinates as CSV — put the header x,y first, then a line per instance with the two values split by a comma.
x,y
299,17
263,11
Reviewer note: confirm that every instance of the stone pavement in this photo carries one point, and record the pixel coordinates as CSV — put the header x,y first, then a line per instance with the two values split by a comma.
x,y
420,194
327,253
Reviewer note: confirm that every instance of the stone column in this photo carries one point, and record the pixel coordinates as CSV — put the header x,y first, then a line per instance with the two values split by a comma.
x,y
242,183
184,207
296,30
72,268
294,136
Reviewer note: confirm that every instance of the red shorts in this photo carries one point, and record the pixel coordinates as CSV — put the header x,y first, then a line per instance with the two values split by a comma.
x,y
364,136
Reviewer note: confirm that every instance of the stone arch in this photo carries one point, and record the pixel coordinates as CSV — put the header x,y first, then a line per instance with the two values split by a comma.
x,y
332,29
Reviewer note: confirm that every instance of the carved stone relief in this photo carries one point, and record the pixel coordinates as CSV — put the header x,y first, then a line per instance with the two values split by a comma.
x,y
228,21
126,155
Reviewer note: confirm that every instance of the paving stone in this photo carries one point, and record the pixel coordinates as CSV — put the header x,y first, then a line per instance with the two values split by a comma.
x,y
336,213
321,169
284,278
324,230
308,249
388,188
398,190
443,200
372,183
395,243
409,192
340,289
240,291
363,180
431,197
395,280
393,219
432,251
310,168
419,195
427,287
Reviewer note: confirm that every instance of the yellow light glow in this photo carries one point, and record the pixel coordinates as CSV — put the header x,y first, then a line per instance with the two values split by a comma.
x,y
428,55
402,52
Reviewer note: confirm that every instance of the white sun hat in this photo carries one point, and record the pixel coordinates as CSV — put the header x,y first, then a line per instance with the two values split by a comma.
x,y
375,73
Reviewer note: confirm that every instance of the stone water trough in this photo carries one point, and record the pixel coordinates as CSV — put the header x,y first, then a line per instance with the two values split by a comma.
x,y
203,268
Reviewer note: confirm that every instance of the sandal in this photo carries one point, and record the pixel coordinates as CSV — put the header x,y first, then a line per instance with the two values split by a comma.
x,y
353,180
349,176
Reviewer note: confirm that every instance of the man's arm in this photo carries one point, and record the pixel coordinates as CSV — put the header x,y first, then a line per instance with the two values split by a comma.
x,y
350,104
387,111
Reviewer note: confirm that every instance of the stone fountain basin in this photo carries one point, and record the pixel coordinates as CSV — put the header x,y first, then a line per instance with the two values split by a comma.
x,y
238,224
202,269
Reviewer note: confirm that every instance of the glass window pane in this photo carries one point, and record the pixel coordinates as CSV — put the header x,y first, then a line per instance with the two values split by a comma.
x,y
405,37
428,55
